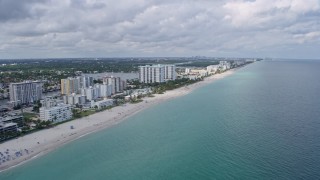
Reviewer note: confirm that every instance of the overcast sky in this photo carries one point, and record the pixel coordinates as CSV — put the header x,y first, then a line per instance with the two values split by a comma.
x,y
121,28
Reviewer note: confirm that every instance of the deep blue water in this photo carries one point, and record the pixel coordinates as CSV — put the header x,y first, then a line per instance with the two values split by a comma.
x,y
263,122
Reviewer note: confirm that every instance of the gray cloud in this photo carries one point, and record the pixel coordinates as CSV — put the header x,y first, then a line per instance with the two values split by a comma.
x,y
76,28
16,10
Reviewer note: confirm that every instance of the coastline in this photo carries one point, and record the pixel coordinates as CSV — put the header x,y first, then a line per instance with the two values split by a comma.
x,y
34,145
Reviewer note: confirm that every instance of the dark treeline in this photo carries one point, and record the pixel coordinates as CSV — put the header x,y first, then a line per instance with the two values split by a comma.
x,y
56,69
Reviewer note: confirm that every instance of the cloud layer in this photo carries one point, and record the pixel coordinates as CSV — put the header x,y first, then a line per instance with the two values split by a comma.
x,y
108,28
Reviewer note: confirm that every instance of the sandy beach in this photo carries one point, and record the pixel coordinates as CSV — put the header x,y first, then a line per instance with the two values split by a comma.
x,y
22,149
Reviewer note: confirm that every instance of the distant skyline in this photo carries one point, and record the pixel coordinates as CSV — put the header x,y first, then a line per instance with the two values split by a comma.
x,y
145,28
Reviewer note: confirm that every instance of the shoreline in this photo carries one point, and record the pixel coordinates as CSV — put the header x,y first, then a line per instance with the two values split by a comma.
x,y
37,144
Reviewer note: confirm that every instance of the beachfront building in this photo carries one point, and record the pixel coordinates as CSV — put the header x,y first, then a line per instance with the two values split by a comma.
x,y
224,65
238,63
169,72
58,113
123,85
151,74
54,111
199,72
7,127
25,92
188,70
212,69
194,73
101,104
12,118
157,73
138,92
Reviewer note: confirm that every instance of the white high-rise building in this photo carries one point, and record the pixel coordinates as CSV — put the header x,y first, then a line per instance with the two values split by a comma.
x,y
151,74
115,82
157,73
73,85
224,65
212,69
105,90
91,93
51,111
123,85
96,91
25,92
169,72
86,81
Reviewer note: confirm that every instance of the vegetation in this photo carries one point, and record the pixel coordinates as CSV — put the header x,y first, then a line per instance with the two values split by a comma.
x,y
98,81
37,106
78,113
26,129
43,124
17,107
200,63
134,100
8,135
160,88
28,117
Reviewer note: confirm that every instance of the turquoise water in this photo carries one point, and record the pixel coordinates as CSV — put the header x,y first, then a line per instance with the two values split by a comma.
x,y
263,122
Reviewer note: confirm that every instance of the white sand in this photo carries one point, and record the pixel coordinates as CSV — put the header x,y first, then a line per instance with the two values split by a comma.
x,y
33,145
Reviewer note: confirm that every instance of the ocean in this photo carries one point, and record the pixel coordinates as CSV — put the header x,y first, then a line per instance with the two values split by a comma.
x,y
262,122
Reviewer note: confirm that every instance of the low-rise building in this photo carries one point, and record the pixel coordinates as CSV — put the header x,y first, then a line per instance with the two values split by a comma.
x,y
212,69
18,119
58,113
8,127
101,104
198,72
224,65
